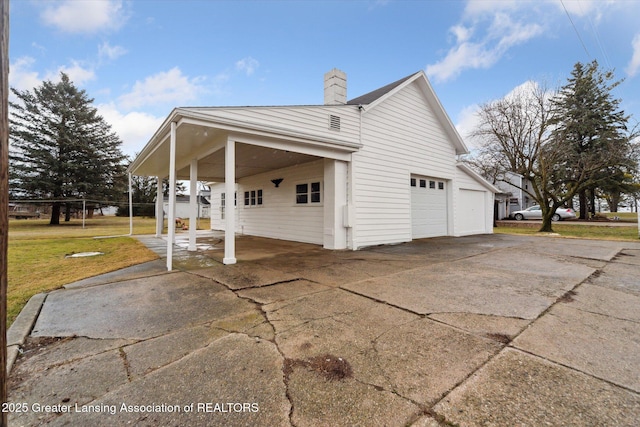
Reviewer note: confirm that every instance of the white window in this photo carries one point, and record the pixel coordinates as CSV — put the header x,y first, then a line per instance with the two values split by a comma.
x,y
253,198
308,193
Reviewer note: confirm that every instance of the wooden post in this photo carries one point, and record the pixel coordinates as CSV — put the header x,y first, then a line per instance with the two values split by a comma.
x,y
4,195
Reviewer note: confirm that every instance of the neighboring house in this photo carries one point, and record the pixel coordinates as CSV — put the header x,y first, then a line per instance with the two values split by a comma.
x,y
379,169
513,194
23,211
183,205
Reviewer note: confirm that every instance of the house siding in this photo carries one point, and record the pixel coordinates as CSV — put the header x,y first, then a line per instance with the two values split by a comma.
x,y
311,120
401,136
279,216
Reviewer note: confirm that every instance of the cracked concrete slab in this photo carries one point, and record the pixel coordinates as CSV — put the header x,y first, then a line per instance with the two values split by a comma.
x,y
493,291
79,381
348,402
146,269
396,351
480,324
602,250
620,276
607,301
147,356
42,354
137,309
423,360
242,276
430,320
242,375
282,291
628,256
602,346
520,389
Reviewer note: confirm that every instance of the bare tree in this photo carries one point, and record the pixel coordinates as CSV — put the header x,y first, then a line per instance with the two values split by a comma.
x,y
515,136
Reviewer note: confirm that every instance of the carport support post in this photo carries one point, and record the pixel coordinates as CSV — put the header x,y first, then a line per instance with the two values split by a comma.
x,y
159,210
171,228
130,207
193,205
230,214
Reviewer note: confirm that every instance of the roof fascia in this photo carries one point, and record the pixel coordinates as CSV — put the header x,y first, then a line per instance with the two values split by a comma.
x,y
441,113
475,175
389,94
156,140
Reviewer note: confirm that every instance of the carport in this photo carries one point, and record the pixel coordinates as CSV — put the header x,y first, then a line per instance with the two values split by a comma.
x,y
197,144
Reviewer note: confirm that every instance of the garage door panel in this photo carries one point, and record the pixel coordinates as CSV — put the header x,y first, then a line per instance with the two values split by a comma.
x,y
472,211
428,207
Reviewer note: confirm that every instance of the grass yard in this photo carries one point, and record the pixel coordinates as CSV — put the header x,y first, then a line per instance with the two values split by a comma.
x,y
36,258
578,231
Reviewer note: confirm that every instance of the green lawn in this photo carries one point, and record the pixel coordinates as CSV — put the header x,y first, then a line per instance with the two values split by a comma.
x,y
578,231
36,258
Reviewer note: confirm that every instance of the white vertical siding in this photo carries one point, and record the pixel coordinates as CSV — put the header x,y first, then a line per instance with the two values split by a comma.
x,y
401,136
279,217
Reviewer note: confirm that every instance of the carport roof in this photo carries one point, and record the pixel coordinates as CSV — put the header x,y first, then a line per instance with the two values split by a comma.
x,y
201,134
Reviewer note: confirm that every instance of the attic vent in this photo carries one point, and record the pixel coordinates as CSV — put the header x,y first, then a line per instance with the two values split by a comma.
x,y
334,122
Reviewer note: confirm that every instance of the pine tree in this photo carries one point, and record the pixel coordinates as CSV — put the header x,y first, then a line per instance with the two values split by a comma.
x,y
591,128
60,148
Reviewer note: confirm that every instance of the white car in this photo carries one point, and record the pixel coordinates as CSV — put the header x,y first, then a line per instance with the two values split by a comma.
x,y
534,212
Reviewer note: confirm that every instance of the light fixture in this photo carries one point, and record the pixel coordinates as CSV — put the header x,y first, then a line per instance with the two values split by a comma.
x,y
277,181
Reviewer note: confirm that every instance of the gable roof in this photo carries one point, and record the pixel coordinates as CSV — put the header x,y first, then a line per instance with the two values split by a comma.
x,y
372,96
372,99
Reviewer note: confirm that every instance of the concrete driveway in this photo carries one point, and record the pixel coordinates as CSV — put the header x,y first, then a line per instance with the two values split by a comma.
x,y
490,330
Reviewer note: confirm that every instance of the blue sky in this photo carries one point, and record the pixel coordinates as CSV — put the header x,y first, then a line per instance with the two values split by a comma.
x,y
141,58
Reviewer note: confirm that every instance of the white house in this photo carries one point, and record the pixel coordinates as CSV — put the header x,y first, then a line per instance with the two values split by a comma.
x,y
381,168
183,206
514,194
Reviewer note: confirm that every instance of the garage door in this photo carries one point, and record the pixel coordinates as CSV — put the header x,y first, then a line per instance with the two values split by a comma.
x,y
472,212
428,207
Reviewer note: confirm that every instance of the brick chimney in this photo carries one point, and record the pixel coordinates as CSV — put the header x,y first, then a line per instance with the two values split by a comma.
x,y
335,87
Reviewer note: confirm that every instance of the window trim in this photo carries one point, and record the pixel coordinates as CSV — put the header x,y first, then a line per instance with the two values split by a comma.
x,y
309,193
253,198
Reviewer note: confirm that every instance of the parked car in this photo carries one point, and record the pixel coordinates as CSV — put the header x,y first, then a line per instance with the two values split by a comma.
x,y
534,212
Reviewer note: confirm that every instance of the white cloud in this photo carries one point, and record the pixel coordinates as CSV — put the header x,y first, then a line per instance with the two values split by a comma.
x,y
581,7
106,51
134,128
78,74
634,64
21,74
468,122
167,87
87,16
499,33
247,65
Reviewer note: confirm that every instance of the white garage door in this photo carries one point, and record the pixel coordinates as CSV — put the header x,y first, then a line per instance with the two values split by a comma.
x,y
472,212
428,207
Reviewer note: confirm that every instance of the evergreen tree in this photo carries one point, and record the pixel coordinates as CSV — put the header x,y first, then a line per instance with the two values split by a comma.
x,y
61,148
592,131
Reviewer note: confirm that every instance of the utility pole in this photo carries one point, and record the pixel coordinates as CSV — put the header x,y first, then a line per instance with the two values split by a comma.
x,y
4,196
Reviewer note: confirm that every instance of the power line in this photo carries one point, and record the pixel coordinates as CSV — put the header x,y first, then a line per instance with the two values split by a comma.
x,y
575,29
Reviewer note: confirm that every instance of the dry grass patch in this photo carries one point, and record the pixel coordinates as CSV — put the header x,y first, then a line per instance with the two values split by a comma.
x,y
37,263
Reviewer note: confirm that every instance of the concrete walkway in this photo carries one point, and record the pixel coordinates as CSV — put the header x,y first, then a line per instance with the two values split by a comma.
x,y
490,330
